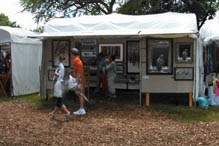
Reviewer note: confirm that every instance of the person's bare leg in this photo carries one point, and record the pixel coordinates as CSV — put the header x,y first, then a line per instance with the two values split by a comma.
x,y
52,114
64,108
81,100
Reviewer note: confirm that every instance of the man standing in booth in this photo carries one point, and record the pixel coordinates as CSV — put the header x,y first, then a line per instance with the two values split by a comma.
x,y
78,73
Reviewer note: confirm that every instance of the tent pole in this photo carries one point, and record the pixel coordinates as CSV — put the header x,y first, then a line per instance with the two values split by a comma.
x,y
140,66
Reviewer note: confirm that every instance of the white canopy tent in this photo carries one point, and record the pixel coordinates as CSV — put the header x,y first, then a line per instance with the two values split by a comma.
x,y
210,30
165,25
119,25
26,55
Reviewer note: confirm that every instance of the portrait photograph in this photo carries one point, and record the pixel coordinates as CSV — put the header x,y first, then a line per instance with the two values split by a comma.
x,y
133,57
184,52
159,57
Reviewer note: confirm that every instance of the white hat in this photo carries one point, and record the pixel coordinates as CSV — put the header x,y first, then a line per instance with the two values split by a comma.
x,y
75,50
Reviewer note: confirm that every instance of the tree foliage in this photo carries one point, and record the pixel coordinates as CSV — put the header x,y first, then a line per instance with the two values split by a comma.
x,y
204,9
45,9
4,21
39,29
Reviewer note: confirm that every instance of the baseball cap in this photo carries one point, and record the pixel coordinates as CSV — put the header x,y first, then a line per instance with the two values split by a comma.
x,y
75,51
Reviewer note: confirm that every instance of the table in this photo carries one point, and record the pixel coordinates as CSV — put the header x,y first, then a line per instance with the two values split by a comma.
x,y
4,78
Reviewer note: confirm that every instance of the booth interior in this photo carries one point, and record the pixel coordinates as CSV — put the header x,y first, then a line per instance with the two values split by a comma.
x,y
127,62
5,69
167,64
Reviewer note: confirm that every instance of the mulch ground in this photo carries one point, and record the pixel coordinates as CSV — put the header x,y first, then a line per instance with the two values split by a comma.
x,y
24,124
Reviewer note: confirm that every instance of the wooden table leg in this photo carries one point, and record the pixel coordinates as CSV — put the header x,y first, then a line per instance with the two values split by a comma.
x,y
190,99
147,99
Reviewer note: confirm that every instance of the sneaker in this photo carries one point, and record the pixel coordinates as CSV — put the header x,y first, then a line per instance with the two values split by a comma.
x,y
80,112
67,116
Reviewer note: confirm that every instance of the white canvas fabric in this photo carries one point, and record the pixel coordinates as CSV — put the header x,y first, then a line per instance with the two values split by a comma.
x,y
26,54
198,87
118,24
26,61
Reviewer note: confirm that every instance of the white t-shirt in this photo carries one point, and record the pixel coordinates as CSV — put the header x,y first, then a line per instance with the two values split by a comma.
x,y
60,71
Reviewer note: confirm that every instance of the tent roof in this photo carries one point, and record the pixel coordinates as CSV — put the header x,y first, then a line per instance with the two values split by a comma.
x,y
125,25
210,30
18,35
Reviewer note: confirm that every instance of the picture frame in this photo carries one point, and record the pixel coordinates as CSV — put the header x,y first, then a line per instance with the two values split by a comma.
x,y
184,73
51,74
61,48
112,49
184,52
119,68
159,56
133,58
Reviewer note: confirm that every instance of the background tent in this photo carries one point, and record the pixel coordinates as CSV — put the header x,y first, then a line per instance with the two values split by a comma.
x,y
210,30
209,34
26,59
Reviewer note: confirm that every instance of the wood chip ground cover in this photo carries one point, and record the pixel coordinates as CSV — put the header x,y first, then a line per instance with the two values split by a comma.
x,y
21,123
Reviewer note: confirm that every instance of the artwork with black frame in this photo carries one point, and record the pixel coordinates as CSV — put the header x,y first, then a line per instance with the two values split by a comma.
x,y
112,49
61,48
184,73
159,56
184,52
133,56
51,74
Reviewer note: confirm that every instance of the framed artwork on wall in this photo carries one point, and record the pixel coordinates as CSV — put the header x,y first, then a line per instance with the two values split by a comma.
x,y
51,74
119,68
112,49
184,52
184,73
132,56
61,48
159,56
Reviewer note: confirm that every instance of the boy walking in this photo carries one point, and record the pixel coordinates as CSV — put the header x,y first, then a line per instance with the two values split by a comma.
x,y
58,89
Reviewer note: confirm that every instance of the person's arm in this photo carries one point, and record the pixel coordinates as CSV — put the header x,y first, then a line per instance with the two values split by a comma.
x,y
111,66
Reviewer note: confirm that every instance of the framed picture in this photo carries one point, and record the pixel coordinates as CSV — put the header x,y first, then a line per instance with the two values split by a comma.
x,y
119,68
61,48
159,56
112,49
184,52
133,56
184,73
51,74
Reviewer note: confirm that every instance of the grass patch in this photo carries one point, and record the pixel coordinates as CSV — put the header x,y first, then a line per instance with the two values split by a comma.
x,y
181,113
33,98
186,114
36,100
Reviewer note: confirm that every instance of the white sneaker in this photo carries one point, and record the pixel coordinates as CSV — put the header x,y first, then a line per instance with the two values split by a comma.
x,y
66,117
80,112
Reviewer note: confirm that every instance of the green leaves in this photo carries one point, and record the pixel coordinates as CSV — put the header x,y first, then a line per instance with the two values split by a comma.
x,y
204,9
44,10
4,21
